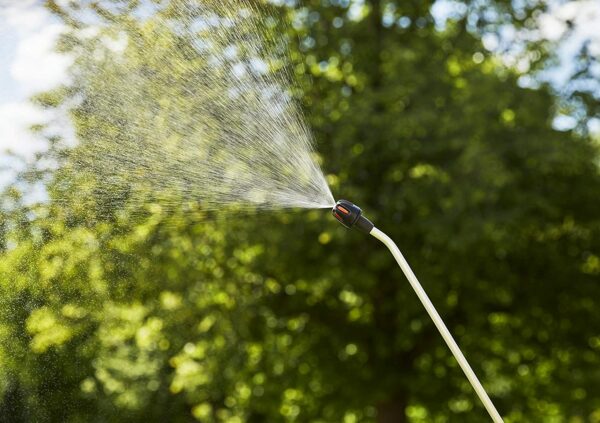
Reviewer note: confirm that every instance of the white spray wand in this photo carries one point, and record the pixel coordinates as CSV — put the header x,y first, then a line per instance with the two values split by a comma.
x,y
351,216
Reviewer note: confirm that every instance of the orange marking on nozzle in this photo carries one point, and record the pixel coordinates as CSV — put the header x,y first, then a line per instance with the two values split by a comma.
x,y
343,210
338,217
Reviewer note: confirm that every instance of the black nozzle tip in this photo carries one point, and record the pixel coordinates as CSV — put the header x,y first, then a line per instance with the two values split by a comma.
x,y
350,215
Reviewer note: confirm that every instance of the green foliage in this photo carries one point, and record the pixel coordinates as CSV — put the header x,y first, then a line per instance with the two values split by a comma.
x,y
159,313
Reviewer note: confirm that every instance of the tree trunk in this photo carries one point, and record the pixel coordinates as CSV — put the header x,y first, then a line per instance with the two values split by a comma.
x,y
392,411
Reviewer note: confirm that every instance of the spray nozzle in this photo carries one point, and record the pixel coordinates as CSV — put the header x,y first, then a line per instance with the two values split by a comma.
x,y
350,215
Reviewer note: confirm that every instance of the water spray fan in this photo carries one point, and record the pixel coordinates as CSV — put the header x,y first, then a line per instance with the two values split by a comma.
x,y
351,216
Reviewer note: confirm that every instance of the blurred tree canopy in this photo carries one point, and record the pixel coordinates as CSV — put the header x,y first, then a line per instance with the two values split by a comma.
x,y
155,313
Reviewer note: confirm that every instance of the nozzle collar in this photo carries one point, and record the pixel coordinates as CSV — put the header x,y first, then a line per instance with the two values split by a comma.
x,y
350,215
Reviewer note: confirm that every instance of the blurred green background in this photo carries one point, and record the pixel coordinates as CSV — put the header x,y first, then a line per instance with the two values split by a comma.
x,y
172,314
